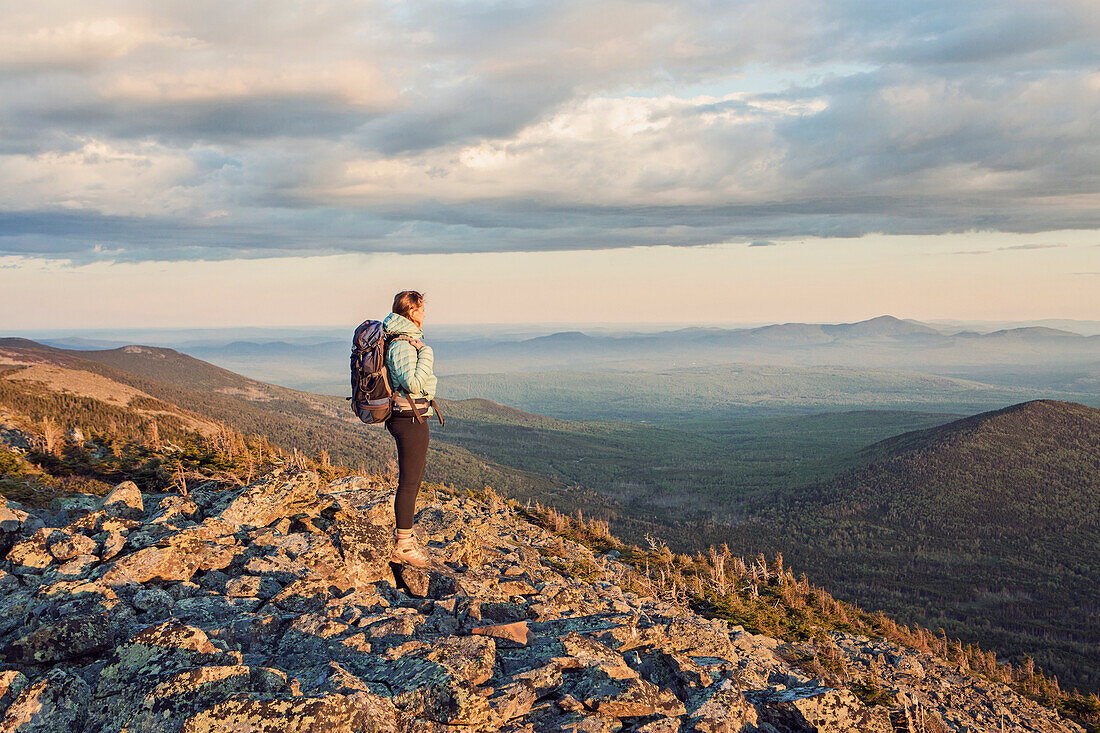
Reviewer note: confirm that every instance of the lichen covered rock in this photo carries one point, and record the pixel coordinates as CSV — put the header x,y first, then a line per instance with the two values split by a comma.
x,y
274,607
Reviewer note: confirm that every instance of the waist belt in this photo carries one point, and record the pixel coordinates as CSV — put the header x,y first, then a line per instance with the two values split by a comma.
x,y
417,407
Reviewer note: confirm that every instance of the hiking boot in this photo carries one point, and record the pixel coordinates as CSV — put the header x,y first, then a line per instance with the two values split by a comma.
x,y
409,552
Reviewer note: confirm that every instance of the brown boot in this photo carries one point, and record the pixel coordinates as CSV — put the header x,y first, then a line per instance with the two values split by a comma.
x,y
409,552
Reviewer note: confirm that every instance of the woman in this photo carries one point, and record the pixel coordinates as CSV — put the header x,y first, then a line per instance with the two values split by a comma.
x,y
409,362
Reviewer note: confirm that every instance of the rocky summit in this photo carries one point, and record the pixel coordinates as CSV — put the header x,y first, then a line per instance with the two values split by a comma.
x,y
274,607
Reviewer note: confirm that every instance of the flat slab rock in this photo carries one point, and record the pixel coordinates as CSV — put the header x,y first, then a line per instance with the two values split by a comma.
x,y
274,607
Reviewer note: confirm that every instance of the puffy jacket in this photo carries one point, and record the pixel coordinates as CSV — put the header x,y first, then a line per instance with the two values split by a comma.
x,y
410,370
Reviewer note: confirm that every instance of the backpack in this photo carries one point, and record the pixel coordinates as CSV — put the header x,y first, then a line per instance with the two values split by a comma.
x,y
371,392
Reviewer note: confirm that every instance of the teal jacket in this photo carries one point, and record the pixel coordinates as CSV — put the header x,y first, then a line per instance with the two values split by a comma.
x,y
410,370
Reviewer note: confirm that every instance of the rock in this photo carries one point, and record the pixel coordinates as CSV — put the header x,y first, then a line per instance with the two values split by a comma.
x,y
11,519
273,498
172,507
427,582
76,504
306,714
67,639
379,715
300,625
11,684
721,709
445,701
154,563
660,725
165,647
165,705
674,670
125,501
112,545
364,548
154,601
514,632
78,566
251,586
66,548
57,703
909,665
822,710
608,694
32,553
512,701
466,549
468,658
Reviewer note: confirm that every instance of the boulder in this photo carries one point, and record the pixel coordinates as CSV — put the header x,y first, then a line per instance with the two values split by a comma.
x,y
822,710
67,547
56,703
11,684
254,714
164,706
33,553
721,708
154,601
609,694
271,499
125,501
514,632
165,647
67,639
468,658
154,563
364,549
171,508
430,582
11,518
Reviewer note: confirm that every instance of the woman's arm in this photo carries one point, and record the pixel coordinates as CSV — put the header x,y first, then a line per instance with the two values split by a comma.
x,y
410,368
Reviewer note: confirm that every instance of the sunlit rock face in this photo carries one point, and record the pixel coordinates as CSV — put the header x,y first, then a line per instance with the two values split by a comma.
x,y
274,607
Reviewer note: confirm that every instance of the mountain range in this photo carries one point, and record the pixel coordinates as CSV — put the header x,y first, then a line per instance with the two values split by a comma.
x,y
1061,363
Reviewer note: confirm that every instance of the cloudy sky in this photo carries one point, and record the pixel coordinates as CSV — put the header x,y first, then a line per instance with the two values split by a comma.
x,y
225,163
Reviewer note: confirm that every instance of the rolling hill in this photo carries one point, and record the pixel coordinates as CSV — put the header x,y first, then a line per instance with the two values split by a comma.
x,y
187,389
988,526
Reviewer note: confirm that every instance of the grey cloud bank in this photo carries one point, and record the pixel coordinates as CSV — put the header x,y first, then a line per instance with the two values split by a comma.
x,y
206,130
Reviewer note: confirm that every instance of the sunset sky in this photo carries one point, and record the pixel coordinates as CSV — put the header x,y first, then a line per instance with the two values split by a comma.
x,y
285,163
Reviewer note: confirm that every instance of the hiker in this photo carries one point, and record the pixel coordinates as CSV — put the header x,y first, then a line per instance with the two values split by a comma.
x,y
409,363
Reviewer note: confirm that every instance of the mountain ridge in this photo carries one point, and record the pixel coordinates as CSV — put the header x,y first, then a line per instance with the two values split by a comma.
x,y
968,517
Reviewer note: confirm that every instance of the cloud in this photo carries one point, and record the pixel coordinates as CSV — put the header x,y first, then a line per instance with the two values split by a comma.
x,y
206,130
763,243
1007,248
1034,246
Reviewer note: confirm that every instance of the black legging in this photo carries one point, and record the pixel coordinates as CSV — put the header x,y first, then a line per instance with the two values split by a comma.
x,y
412,456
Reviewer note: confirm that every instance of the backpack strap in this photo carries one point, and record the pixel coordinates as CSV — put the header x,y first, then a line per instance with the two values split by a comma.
x,y
412,402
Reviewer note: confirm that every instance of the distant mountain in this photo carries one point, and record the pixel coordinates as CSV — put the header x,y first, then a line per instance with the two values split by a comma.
x,y
562,337
881,326
884,342
992,520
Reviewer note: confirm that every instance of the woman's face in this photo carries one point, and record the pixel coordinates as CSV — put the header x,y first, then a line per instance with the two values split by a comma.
x,y
417,316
